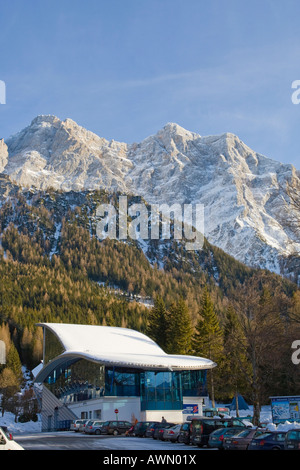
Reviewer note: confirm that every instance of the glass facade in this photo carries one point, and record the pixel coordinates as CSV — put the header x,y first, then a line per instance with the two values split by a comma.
x,y
193,383
120,382
78,380
161,390
81,380
53,346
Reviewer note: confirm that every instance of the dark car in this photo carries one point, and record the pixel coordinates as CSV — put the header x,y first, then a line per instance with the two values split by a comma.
x,y
269,440
217,438
115,427
202,427
184,434
150,430
292,439
159,430
241,439
141,427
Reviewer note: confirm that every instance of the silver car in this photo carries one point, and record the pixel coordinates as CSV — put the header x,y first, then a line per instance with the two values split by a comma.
x,y
172,434
82,425
94,427
88,424
75,425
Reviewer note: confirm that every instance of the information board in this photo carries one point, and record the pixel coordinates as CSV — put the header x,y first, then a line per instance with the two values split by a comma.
x,y
285,409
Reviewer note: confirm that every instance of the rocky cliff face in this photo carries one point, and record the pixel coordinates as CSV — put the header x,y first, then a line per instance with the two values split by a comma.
x,y
243,192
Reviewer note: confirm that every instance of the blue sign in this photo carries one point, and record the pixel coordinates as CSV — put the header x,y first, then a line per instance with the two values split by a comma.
x,y
285,409
190,409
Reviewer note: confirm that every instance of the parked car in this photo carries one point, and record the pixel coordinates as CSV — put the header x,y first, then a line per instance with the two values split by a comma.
x,y
159,430
7,432
269,440
94,427
292,439
217,437
7,442
201,427
75,425
88,423
184,433
211,412
141,427
82,425
241,439
150,429
171,434
115,427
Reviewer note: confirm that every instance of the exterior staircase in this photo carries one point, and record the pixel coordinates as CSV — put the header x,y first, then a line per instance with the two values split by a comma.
x,y
55,415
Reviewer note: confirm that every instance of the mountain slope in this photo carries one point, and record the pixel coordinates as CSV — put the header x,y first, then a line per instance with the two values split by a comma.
x,y
243,192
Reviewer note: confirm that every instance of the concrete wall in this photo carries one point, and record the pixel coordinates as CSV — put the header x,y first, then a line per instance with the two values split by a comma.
x,y
130,409
104,408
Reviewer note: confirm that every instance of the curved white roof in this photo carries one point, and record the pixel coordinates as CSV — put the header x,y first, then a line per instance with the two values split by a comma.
x,y
116,346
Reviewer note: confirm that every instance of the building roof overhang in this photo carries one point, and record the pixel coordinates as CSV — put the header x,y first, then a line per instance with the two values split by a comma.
x,y
117,347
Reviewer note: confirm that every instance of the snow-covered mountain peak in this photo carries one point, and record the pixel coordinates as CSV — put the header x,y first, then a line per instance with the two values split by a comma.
x,y
172,128
43,119
242,191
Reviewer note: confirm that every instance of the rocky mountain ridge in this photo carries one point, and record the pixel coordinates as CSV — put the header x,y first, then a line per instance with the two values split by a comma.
x,y
243,192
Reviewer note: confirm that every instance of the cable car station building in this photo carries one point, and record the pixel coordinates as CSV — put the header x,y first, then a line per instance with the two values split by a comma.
x,y
94,371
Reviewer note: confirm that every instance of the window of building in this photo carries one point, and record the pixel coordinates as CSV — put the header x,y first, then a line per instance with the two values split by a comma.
x,y
78,380
193,383
161,390
53,346
82,380
122,382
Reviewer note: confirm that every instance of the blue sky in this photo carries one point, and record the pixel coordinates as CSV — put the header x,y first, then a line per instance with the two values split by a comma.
x,y
124,68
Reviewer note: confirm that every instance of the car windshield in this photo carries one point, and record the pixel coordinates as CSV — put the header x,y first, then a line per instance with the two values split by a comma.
x,y
198,424
176,426
264,435
242,433
238,422
5,433
281,436
294,435
218,431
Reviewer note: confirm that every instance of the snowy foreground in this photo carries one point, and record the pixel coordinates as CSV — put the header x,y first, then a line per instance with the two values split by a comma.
x,y
35,427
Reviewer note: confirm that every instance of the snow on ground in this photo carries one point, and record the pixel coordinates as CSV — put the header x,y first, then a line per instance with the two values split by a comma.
x,y
16,428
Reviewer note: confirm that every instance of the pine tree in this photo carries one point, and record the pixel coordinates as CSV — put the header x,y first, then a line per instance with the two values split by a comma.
x,y
13,362
207,340
234,366
179,331
9,385
158,323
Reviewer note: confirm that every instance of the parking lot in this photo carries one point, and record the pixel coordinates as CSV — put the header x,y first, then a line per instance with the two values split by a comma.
x,y
68,440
